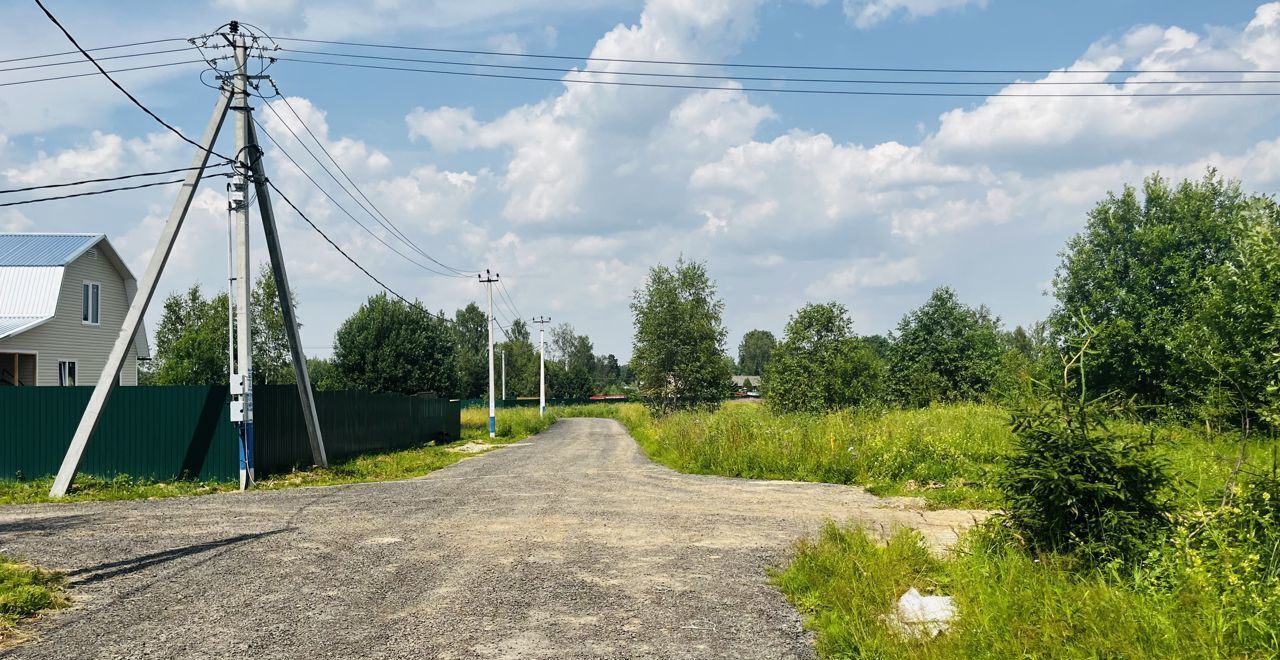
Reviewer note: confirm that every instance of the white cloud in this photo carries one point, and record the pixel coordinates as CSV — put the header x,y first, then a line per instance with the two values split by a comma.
x,y
14,221
868,13
875,272
105,155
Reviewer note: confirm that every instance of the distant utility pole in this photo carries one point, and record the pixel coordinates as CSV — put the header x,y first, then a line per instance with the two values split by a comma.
x,y
504,374
488,280
542,321
232,97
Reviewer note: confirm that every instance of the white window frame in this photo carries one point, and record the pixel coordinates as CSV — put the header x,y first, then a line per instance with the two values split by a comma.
x,y
91,305
62,372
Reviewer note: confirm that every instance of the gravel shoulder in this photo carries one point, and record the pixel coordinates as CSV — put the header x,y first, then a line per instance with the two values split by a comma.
x,y
569,545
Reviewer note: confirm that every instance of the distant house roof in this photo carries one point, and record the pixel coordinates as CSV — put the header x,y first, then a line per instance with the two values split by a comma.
x,y
746,380
31,269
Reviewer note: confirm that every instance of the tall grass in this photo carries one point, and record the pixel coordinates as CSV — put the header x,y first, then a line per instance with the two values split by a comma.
x,y
1009,605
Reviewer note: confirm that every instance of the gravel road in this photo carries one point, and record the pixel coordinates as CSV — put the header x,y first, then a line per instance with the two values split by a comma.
x,y
569,545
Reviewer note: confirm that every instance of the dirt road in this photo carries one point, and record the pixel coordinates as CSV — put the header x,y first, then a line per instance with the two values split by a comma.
x,y
572,544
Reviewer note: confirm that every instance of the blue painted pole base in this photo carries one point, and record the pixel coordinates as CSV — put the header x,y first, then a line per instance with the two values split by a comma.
x,y
493,426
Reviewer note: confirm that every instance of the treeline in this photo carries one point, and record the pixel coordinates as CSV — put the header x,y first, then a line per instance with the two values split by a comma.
x,y
387,345
1170,296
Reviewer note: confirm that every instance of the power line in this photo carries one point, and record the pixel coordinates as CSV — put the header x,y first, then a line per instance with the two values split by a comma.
x,y
96,73
102,180
384,221
336,203
91,50
502,289
775,90
799,67
124,91
112,57
101,192
845,81
355,263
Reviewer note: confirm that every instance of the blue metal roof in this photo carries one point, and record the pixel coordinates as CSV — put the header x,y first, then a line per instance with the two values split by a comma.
x,y
44,249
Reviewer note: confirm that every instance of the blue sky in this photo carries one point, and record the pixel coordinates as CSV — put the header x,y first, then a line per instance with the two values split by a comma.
x,y
573,191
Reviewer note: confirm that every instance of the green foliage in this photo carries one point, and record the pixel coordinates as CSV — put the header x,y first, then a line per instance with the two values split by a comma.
x,y
522,362
821,365
754,351
946,454
471,337
944,351
191,339
1071,484
1138,272
679,338
24,592
391,346
324,376
1232,341
571,372
1009,604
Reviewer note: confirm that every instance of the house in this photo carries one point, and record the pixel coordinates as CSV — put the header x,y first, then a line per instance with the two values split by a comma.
x,y
63,298
746,382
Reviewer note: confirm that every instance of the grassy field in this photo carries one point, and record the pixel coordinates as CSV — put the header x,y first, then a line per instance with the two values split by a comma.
x,y
947,454
24,592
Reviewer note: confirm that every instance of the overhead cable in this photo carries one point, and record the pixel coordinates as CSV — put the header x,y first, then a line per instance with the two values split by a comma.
x,y
102,180
120,87
101,192
799,67
773,90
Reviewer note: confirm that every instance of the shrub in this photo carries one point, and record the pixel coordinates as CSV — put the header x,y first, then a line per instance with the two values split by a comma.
x,y
821,365
1072,485
944,351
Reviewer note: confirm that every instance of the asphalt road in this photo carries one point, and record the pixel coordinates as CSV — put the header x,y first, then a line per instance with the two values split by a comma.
x,y
572,544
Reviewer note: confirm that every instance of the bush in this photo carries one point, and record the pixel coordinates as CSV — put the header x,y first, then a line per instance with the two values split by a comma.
x,y
820,365
1071,485
944,352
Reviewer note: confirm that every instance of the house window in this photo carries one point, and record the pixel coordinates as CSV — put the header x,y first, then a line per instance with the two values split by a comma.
x,y
89,309
67,373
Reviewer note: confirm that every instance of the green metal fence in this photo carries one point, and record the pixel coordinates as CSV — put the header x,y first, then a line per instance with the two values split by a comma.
x,y
172,432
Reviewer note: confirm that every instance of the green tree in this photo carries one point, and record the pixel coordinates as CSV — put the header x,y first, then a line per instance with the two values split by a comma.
x,y
391,346
1232,342
679,338
944,351
754,351
821,365
324,376
471,335
191,339
1135,274
522,361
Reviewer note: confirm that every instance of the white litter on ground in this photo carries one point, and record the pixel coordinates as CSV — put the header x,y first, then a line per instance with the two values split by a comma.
x,y
923,617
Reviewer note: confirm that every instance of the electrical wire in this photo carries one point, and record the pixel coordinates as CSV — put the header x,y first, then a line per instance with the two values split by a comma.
x,y
103,192
381,218
845,81
102,180
355,263
100,59
91,50
97,73
775,90
120,87
342,208
799,67
502,289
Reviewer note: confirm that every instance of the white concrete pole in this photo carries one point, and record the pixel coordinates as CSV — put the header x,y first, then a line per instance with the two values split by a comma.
x,y
504,375
488,281
109,377
243,272
542,322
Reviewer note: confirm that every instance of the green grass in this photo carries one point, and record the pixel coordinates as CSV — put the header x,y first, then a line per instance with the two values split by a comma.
x,y
1009,605
25,591
511,425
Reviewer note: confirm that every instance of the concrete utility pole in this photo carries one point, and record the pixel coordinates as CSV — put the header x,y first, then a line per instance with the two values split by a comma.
x,y
504,375
488,281
242,371
248,169
542,321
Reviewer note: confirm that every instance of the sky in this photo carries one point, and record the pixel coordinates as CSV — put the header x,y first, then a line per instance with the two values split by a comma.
x,y
572,192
